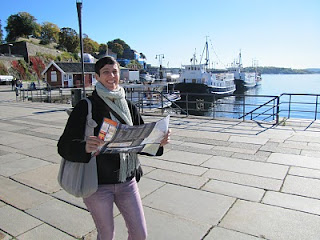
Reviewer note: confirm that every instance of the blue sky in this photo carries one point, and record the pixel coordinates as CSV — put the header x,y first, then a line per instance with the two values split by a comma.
x,y
281,33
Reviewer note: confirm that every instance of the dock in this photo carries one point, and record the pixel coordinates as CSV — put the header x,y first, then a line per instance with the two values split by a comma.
x,y
219,179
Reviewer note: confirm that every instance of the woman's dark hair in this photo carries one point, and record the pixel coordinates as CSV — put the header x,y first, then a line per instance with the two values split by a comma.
x,y
104,61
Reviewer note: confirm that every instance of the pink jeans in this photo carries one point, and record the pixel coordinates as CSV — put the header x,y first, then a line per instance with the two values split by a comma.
x,y
127,198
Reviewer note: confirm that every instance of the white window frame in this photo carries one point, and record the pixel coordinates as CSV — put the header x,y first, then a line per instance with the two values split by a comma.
x,y
54,76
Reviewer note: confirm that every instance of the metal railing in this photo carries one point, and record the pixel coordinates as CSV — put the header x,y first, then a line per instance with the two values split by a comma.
x,y
246,107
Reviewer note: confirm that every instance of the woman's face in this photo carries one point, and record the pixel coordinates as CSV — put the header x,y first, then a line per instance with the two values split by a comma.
x,y
109,76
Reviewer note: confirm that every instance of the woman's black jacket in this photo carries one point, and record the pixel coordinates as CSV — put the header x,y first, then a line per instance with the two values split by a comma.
x,y
71,145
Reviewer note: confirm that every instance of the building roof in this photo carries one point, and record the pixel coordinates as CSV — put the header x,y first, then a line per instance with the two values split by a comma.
x,y
72,67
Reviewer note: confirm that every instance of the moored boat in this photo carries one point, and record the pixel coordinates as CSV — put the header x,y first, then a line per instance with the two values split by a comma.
x,y
195,78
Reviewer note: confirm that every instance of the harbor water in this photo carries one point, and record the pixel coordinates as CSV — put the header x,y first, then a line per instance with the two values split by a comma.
x,y
302,106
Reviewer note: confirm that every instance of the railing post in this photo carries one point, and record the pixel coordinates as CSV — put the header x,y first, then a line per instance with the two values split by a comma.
x,y
278,110
244,108
162,110
289,109
187,103
316,112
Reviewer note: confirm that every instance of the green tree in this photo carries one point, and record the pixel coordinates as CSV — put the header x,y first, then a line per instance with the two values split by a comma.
x,y
49,33
69,39
1,33
90,46
118,46
20,25
103,47
36,33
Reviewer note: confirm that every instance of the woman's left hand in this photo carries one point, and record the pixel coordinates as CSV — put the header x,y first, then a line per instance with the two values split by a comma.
x,y
166,138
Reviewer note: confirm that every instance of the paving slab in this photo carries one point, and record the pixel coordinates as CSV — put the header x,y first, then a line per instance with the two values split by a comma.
x,y
302,186
204,134
26,143
252,140
16,222
234,190
271,222
20,196
173,166
304,204
40,151
244,179
235,149
162,225
42,178
181,179
189,149
212,142
304,172
147,186
304,138
191,158
21,165
248,167
10,156
45,231
260,156
68,198
243,145
311,153
277,149
199,206
218,233
294,160
197,145
72,220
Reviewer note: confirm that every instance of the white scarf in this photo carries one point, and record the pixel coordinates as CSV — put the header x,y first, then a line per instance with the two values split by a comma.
x,y
117,102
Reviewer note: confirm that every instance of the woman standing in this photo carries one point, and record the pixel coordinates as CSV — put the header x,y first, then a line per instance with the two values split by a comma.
x,y
116,172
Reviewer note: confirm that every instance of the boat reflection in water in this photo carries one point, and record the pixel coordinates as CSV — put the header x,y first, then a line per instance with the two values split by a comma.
x,y
234,106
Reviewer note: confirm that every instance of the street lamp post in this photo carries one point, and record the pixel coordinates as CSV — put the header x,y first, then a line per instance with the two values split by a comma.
x,y
79,7
160,57
9,48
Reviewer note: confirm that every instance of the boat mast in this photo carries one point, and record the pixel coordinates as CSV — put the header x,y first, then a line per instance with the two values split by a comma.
x,y
207,59
207,54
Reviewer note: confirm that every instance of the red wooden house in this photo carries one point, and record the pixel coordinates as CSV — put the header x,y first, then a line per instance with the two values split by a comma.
x,y
68,74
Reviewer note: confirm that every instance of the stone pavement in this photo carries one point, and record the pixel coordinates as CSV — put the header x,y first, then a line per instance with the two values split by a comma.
x,y
218,179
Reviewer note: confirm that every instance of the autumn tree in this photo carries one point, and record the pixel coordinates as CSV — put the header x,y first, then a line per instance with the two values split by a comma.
x,y
49,33
69,39
89,46
20,25
37,66
21,69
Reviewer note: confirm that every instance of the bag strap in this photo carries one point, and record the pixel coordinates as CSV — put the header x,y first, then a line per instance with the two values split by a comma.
x,y
90,124
89,116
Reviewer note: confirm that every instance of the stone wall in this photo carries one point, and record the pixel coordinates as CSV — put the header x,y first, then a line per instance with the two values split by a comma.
x,y
26,49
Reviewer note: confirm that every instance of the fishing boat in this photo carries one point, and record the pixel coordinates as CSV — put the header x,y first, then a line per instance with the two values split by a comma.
x,y
244,80
196,78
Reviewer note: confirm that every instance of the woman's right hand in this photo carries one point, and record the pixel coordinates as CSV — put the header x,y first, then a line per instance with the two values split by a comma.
x,y
93,143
